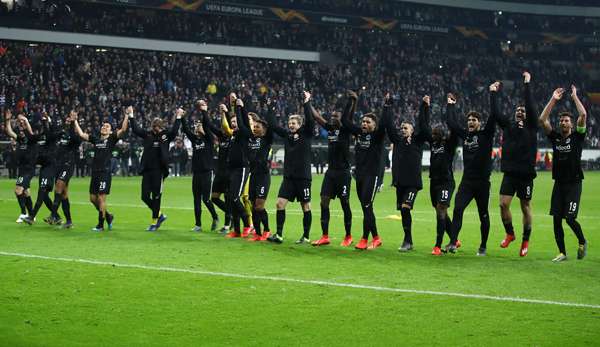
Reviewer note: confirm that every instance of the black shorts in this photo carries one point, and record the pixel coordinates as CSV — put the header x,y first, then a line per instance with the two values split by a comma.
x,y
366,188
441,193
237,180
293,189
202,183
565,199
260,183
24,177
221,182
473,189
405,196
336,183
100,182
522,186
46,178
64,173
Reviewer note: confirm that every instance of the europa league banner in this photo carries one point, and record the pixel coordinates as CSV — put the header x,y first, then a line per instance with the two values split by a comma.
x,y
386,24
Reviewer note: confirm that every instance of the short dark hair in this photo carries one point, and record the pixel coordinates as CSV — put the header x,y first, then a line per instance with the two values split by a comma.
x,y
565,114
372,116
474,114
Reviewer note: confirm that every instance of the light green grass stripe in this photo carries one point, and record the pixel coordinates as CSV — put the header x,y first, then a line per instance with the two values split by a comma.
x,y
310,282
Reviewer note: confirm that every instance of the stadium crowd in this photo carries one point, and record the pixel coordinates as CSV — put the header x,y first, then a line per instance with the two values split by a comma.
x,y
87,17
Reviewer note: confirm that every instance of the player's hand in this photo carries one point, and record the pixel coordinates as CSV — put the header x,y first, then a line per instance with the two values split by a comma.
x,y
352,95
558,94
232,97
239,102
129,111
179,112
8,114
451,99
526,77
306,96
427,100
73,115
222,108
494,87
22,117
202,105
573,91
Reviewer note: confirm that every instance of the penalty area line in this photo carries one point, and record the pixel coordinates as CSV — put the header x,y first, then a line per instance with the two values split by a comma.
x,y
301,281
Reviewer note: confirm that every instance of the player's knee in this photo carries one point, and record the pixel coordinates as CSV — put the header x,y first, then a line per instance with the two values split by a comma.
x,y
280,204
306,206
571,220
441,210
405,208
19,190
484,216
259,204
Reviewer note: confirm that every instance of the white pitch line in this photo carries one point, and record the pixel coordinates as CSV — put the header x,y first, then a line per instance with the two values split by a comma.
x,y
309,282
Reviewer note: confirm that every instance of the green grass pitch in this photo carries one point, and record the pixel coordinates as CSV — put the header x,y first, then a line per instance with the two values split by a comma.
x,y
52,302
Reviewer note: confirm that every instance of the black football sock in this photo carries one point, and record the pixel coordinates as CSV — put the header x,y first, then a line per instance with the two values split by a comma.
x,y
508,227
325,220
526,232
559,234
66,207
347,216
280,221
256,217
306,223
485,229
265,220
440,228
407,224
21,201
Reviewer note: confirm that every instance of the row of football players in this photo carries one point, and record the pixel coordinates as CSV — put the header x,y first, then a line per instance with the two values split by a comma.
x,y
242,168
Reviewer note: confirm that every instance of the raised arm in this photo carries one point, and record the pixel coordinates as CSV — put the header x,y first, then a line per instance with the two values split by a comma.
x,y
207,124
582,119
277,129
495,113
77,128
490,125
172,133
187,131
317,116
8,127
424,118
530,107
386,122
545,116
309,121
348,117
243,122
451,116
125,124
224,122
